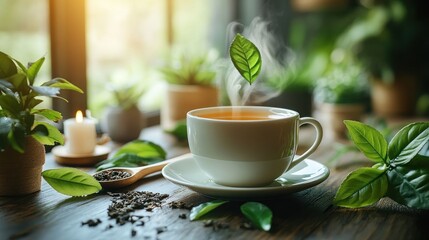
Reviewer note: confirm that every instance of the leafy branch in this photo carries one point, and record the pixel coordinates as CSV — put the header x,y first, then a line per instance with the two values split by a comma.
x,y
400,171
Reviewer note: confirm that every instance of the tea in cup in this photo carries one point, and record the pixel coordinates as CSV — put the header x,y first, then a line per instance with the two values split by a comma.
x,y
246,146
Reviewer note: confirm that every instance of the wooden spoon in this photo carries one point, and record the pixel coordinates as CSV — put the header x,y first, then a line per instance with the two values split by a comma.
x,y
137,173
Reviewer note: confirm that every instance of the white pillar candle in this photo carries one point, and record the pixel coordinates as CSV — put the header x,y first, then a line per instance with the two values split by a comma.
x,y
80,135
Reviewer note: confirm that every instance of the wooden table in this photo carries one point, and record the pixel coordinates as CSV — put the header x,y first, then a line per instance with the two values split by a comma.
x,y
308,214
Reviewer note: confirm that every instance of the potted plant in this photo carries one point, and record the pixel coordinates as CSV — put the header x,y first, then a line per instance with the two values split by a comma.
x,y
124,121
341,95
384,39
190,86
24,127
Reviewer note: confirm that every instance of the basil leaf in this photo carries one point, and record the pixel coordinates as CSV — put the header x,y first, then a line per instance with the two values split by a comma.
x,y
127,160
142,148
362,187
246,58
204,208
369,141
408,142
71,181
259,214
409,183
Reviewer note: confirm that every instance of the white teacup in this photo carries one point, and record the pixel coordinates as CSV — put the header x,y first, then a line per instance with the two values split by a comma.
x,y
246,146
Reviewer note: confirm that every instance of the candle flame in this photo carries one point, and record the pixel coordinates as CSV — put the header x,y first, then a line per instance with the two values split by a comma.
x,y
79,116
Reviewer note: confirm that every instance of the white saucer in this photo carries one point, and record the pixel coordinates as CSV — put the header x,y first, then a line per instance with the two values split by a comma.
x,y
306,174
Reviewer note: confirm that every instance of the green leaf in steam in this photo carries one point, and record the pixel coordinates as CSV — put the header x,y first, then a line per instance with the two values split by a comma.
x,y
204,208
369,141
259,214
71,181
362,187
408,142
409,183
246,58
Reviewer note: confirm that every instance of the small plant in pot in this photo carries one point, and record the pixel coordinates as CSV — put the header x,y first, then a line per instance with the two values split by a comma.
x,y
342,94
386,38
190,85
25,128
123,121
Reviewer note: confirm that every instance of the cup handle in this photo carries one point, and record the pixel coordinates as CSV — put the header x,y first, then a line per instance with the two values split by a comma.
x,y
319,135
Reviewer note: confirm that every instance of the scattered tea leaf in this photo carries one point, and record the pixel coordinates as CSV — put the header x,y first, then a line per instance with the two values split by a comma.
x,y
71,181
369,141
408,142
362,187
259,214
246,58
204,208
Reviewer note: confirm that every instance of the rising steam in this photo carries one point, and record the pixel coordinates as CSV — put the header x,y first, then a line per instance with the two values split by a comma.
x,y
275,58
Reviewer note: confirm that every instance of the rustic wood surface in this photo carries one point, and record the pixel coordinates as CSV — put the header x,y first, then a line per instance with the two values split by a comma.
x,y
308,214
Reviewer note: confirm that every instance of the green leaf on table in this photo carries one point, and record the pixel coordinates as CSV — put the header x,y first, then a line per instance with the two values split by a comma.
x,y
362,187
369,141
142,148
204,208
408,142
246,58
259,214
409,183
71,181
180,130
127,160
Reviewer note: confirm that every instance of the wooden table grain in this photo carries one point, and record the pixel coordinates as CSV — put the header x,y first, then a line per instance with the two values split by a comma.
x,y
308,214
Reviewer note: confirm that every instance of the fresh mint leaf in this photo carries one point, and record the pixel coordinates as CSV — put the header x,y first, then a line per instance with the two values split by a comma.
x,y
408,142
369,141
246,58
204,208
362,187
71,181
259,214
409,183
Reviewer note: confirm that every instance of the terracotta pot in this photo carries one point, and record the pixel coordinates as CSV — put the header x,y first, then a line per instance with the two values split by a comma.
x,y
123,125
20,174
396,99
180,99
333,116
